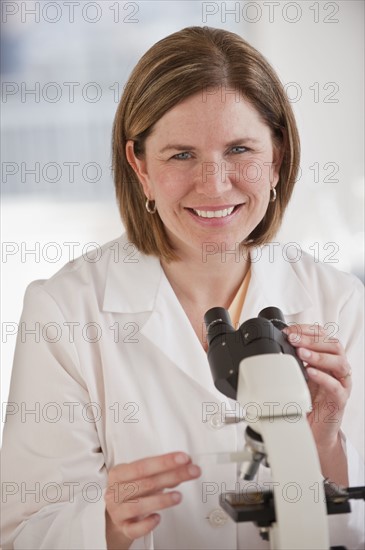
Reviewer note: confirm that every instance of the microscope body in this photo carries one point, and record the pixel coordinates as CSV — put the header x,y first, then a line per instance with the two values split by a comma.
x,y
271,381
257,364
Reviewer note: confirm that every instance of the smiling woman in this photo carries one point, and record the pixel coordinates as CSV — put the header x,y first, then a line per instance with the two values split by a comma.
x,y
218,188
205,156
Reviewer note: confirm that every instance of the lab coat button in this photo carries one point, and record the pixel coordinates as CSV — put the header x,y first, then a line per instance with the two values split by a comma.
x,y
216,421
217,518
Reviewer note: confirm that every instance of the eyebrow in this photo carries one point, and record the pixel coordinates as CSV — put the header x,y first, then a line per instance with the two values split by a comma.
x,y
182,147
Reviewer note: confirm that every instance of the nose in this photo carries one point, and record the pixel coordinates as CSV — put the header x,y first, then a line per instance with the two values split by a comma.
x,y
214,179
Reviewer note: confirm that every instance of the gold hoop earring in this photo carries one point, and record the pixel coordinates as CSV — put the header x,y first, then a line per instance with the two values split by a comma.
x,y
272,194
148,206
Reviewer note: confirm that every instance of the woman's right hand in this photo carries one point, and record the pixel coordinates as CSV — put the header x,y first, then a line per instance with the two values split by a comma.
x,y
136,491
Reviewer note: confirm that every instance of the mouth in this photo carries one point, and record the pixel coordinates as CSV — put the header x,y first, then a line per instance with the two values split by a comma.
x,y
215,213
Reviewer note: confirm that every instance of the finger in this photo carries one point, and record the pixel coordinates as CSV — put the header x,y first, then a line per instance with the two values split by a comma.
x,y
315,343
168,480
144,506
346,381
315,330
146,467
130,490
136,529
332,387
336,365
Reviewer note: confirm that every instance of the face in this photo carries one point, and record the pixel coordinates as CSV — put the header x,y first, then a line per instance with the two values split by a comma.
x,y
209,164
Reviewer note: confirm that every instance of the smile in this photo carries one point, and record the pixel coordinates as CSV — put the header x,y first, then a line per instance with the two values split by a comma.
x,y
214,213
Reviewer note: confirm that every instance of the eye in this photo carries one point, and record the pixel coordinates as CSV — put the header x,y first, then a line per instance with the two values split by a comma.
x,y
182,156
237,149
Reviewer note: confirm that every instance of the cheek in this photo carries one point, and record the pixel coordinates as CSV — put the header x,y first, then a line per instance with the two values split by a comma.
x,y
171,185
256,175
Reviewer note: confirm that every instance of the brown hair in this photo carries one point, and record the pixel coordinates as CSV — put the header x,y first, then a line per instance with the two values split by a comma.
x,y
176,67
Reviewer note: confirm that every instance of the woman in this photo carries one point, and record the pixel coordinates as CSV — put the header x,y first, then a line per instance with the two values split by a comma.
x,y
205,152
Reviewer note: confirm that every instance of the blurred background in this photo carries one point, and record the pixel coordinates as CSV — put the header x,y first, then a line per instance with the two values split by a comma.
x,y
63,68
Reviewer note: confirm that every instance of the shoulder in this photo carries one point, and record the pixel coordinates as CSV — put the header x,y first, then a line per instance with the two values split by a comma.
x,y
337,297
324,277
84,279
305,288
316,276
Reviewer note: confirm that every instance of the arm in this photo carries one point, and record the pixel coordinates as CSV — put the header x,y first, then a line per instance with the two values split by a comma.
x,y
53,467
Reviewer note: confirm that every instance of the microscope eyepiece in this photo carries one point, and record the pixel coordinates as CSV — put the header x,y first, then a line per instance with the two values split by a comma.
x,y
218,321
275,315
217,315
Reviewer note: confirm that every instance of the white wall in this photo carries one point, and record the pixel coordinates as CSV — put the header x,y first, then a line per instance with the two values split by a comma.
x,y
324,61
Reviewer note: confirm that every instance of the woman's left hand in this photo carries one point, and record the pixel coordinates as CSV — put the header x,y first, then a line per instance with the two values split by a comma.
x,y
329,381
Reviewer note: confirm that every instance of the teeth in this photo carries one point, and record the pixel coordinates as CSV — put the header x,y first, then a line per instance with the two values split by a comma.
x,y
214,213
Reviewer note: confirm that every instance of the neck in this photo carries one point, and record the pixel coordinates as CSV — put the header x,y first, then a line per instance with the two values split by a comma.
x,y
210,281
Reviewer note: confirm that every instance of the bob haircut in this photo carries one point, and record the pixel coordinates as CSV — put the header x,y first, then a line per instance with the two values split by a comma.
x,y
197,59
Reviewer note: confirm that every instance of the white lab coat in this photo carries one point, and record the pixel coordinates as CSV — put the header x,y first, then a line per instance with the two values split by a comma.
x,y
114,372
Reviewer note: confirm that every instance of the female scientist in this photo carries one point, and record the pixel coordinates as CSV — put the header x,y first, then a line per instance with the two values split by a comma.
x,y
205,157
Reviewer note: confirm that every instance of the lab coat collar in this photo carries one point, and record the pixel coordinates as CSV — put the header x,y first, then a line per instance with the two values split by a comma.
x,y
132,279
274,281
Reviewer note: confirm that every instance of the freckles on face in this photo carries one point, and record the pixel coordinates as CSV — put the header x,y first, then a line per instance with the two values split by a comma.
x,y
210,169
169,184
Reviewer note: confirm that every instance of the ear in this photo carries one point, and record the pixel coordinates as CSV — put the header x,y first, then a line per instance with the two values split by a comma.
x,y
140,168
278,153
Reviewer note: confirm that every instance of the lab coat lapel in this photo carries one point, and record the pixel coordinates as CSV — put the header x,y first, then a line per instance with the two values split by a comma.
x,y
170,329
166,325
274,282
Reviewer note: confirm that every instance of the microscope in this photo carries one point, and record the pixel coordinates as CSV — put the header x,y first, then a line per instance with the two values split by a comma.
x,y
256,363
